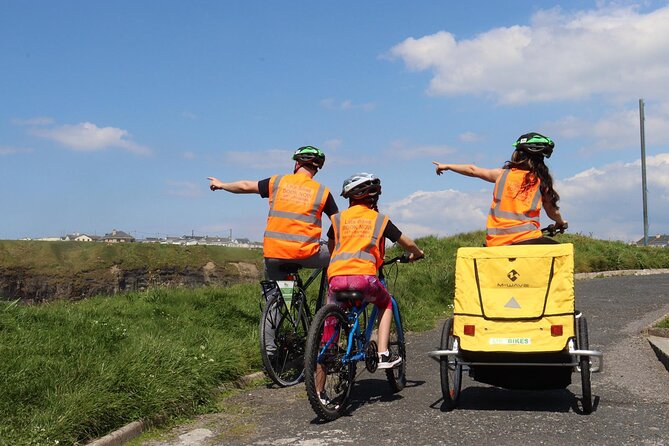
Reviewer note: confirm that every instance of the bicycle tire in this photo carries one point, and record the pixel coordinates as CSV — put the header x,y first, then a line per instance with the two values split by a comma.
x,y
327,363
450,371
397,375
283,357
584,365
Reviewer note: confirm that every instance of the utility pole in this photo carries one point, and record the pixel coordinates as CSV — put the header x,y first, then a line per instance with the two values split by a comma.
x,y
644,190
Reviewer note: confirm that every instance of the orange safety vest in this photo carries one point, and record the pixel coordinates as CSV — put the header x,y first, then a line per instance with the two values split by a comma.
x,y
293,228
514,215
359,242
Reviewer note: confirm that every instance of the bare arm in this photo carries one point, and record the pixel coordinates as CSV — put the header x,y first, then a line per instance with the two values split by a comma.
x,y
415,253
554,214
236,187
470,170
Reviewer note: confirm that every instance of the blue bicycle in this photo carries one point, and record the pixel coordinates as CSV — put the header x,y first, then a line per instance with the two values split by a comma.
x,y
338,339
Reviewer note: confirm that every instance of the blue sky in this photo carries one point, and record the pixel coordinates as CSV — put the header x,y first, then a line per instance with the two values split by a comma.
x,y
114,113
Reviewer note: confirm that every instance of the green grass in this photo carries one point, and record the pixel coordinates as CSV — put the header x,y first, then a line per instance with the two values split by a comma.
x,y
664,323
74,371
74,257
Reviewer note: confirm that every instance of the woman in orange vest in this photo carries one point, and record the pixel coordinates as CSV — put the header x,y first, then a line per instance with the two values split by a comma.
x,y
522,186
296,205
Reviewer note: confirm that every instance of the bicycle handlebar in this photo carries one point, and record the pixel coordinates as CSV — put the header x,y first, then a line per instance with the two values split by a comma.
x,y
404,258
551,230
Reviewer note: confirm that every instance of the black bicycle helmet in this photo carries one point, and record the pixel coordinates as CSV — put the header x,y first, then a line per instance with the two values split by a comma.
x,y
310,155
535,143
360,186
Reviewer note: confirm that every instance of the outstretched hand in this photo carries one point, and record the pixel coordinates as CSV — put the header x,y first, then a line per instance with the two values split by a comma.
x,y
440,167
215,183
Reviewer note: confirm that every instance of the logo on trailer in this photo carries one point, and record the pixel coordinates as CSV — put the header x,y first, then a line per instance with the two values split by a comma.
x,y
513,275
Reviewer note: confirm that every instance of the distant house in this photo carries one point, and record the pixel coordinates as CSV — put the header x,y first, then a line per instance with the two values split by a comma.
x,y
76,237
118,237
661,241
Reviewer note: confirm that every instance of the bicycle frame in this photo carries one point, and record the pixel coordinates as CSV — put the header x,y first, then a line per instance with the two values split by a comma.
x,y
357,345
321,290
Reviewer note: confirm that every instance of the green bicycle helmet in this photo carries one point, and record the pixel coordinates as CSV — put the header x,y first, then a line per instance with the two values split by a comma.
x,y
534,144
360,186
310,155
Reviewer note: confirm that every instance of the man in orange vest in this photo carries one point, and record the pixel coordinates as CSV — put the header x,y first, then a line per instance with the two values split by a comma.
x,y
357,240
521,187
296,204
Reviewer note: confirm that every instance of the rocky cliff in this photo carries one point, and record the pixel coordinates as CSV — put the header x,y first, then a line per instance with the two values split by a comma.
x,y
31,286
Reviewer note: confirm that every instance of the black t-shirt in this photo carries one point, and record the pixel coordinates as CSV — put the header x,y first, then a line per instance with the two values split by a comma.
x,y
330,204
391,232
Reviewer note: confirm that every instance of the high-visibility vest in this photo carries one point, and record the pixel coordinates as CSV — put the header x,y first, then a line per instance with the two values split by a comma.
x,y
293,228
514,215
359,242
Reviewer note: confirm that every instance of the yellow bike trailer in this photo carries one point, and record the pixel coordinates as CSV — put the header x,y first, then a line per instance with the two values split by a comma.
x,y
514,323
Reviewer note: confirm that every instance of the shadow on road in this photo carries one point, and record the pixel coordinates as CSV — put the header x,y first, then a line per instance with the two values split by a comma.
x,y
367,392
493,398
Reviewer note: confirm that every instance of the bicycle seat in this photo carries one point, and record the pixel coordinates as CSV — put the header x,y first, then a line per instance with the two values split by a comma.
x,y
349,295
290,268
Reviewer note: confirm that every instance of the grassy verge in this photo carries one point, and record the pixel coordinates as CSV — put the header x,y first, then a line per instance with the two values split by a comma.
x,y
73,371
664,323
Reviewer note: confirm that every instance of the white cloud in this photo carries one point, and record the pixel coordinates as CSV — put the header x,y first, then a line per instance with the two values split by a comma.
x,y
611,51
347,104
618,129
189,155
88,137
442,213
404,150
42,120
332,144
8,150
264,159
470,137
605,202
186,189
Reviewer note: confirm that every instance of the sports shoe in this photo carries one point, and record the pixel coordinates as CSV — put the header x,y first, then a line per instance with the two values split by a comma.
x,y
389,361
325,400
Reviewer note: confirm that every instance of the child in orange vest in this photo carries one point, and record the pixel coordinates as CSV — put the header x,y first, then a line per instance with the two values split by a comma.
x,y
357,242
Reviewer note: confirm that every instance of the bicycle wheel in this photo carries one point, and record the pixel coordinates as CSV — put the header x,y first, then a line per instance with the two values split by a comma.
x,y
397,375
450,370
584,365
326,347
283,334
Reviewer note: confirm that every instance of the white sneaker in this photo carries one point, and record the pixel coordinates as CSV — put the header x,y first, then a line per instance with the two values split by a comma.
x,y
389,361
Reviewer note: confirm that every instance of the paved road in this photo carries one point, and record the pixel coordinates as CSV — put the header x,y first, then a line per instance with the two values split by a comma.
x,y
631,395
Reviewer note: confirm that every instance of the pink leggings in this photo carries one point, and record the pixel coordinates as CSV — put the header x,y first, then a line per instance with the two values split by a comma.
x,y
370,286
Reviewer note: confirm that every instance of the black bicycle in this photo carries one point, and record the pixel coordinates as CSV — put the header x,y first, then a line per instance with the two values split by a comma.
x,y
285,321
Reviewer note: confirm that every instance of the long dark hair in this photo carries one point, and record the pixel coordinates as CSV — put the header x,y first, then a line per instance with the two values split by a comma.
x,y
536,170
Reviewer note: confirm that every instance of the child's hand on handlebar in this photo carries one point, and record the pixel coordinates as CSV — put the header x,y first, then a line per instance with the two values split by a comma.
x,y
413,256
